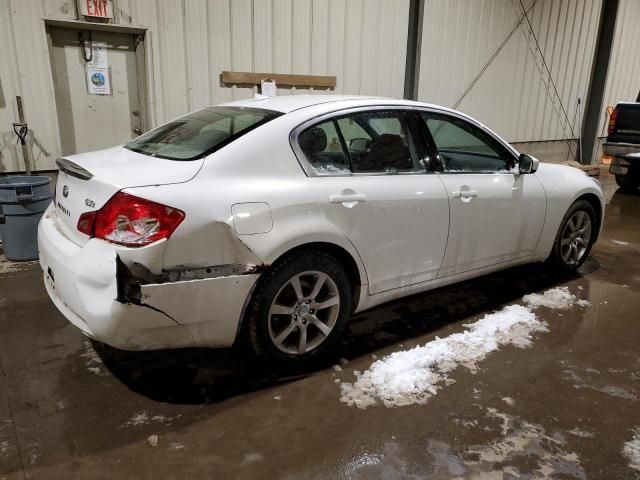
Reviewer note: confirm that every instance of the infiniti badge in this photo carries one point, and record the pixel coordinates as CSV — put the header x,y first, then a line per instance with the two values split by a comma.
x,y
65,191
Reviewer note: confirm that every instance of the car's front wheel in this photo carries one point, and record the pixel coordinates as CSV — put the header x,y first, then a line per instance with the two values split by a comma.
x,y
575,237
300,308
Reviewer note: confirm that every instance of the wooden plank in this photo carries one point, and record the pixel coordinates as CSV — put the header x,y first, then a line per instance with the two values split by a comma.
x,y
281,79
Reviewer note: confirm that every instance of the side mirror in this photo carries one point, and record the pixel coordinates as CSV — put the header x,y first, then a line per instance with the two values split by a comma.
x,y
527,164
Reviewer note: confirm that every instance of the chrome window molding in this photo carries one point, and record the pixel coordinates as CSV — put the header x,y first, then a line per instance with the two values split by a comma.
x,y
310,171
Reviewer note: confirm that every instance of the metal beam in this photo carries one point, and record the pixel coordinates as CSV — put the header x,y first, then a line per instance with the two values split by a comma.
x,y
598,80
414,42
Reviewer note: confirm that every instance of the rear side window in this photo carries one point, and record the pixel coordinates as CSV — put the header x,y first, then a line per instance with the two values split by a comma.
x,y
200,133
363,142
321,145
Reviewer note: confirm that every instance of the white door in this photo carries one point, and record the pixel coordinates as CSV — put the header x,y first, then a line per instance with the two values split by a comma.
x,y
89,120
496,215
374,187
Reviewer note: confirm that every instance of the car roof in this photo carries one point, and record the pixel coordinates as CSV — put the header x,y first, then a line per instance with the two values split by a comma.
x,y
289,103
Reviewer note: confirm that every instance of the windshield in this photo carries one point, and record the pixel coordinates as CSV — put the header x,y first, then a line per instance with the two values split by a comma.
x,y
200,133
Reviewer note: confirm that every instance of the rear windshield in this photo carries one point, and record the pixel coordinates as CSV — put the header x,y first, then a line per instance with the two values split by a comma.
x,y
200,133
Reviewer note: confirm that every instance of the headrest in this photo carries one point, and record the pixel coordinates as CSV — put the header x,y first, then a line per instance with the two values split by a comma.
x,y
313,140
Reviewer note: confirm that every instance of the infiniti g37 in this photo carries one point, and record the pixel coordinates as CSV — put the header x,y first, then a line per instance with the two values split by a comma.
x,y
273,220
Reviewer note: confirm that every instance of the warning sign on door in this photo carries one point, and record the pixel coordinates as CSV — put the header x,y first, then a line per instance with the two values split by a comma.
x,y
98,82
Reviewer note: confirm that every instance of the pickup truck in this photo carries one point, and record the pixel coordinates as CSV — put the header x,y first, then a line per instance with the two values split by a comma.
x,y
623,144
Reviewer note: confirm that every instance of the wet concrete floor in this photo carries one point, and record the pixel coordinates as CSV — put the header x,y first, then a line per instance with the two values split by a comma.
x,y
563,408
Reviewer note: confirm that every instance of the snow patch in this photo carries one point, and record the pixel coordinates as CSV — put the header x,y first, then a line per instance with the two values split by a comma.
x,y
619,242
252,457
554,298
631,450
576,432
413,376
143,418
509,401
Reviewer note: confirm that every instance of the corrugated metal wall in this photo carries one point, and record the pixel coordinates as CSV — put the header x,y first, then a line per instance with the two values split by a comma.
x,y
362,42
514,95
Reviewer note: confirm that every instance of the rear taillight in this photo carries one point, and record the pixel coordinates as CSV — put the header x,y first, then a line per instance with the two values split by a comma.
x,y
612,121
131,221
86,222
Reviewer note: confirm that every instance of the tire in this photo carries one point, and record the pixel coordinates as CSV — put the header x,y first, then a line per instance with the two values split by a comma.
x,y
278,307
569,250
628,183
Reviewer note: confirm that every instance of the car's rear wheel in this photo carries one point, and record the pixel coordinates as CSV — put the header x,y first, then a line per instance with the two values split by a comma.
x,y
299,308
575,237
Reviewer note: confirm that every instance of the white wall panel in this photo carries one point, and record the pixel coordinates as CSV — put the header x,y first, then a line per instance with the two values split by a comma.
x,y
188,44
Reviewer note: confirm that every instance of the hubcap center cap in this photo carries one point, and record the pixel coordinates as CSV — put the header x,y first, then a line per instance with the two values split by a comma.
x,y
303,310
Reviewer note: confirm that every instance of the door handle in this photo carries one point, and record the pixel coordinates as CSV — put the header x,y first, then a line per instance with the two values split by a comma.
x,y
351,198
465,194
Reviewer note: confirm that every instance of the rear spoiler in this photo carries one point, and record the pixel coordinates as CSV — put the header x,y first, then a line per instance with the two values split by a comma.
x,y
73,169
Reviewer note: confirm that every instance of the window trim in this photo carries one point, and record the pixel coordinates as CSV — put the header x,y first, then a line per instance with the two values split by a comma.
x,y
335,115
508,148
425,144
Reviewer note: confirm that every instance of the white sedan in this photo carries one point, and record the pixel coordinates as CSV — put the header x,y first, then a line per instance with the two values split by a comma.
x,y
272,220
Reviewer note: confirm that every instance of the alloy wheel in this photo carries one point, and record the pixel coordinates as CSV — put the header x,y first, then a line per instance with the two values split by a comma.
x,y
575,238
304,312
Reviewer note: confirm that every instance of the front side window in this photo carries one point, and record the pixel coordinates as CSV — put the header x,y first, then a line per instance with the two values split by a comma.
x,y
463,147
363,142
199,133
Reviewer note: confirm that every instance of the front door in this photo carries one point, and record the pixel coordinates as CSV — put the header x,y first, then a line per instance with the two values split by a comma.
x,y
95,81
497,215
373,185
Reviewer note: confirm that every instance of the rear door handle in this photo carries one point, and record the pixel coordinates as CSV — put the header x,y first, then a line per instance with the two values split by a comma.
x,y
465,194
351,198
347,198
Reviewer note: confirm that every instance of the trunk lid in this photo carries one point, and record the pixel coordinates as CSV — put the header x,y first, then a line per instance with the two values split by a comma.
x,y
87,181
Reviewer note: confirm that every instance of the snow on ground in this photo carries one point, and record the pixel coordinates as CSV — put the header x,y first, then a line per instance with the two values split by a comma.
x,y
620,242
631,450
412,376
555,298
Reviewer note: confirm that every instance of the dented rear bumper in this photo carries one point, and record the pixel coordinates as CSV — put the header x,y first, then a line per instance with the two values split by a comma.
x,y
97,293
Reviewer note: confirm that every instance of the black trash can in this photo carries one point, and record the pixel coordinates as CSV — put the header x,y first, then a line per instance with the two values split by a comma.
x,y
23,199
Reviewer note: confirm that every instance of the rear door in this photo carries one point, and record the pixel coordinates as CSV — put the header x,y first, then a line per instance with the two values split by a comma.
x,y
370,178
496,215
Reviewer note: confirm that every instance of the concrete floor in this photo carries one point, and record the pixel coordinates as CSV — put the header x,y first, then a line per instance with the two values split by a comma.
x,y
562,408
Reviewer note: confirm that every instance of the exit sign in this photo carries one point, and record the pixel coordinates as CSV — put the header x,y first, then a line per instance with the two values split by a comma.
x,y
96,8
